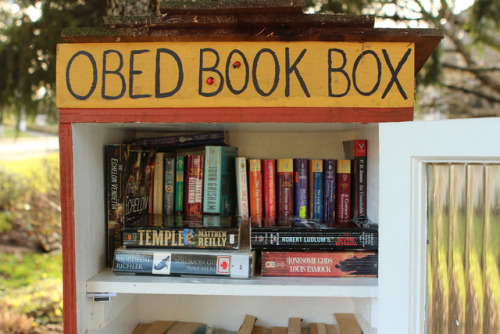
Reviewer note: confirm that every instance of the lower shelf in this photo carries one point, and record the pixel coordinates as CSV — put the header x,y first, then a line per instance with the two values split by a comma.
x,y
353,287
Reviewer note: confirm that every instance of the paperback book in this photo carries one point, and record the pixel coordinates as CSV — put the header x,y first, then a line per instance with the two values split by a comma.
x,y
129,178
285,187
316,189
301,188
255,191
242,188
306,234
185,140
178,231
343,196
269,188
193,186
177,262
320,264
356,151
329,182
169,186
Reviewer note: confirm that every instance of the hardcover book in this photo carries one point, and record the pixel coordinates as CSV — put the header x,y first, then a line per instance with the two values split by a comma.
x,y
307,234
169,183
219,188
356,151
301,188
269,188
343,210
193,187
177,231
320,264
316,189
179,184
129,175
242,187
176,262
285,187
255,191
329,175
185,140
158,188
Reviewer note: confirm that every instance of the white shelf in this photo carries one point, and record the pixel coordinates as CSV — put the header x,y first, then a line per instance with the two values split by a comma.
x,y
353,287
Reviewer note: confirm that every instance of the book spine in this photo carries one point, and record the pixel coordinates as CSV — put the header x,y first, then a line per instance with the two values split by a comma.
x,y
301,188
115,186
186,140
343,210
179,184
356,151
227,192
193,199
320,264
329,171
163,262
212,179
169,181
269,175
327,240
214,238
158,185
285,187
316,189
242,187
255,190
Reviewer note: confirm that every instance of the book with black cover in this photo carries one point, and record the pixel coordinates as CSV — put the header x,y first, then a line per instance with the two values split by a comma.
x,y
307,234
177,231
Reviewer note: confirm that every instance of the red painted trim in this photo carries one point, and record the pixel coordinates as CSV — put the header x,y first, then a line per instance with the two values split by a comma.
x,y
236,115
68,227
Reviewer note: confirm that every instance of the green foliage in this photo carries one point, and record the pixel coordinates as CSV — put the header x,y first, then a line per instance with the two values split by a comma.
x,y
28,51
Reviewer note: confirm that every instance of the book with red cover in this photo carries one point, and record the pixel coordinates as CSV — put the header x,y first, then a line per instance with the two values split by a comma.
x,y
255,190
356,151
320,264
284,169
343,211
193,200
269,188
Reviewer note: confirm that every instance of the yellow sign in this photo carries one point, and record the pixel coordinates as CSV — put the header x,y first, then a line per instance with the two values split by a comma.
x,y
235,74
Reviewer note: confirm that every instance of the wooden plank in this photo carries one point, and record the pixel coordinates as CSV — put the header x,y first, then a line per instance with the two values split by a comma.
x,y
68,227
231,7
294,325
279,330
271,74
247,325
347,323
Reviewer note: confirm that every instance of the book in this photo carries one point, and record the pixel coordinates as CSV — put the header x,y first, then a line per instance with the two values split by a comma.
x,y
319,264
284,171
356,151
219,188
179,184
301,188
185,140
129,173
308,234
158,188
329,175
343,197
169,185
255,191
177,231
242,187
193,187
316,189
176,262
269,188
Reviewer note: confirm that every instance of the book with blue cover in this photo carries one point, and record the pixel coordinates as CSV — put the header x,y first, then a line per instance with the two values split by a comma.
x,y
219,189
316,189
301,187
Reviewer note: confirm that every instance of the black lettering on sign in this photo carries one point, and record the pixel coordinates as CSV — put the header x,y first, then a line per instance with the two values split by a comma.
x,y
135,72
379,74
228,67
180,78
117,72
337,70
395,72
94,75
293,68
209,69
276,72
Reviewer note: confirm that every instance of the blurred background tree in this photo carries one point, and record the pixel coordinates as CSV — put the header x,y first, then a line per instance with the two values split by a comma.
x,y
29,33
460,80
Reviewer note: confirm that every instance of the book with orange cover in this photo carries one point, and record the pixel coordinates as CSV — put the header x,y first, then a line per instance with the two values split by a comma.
x,y
255,190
